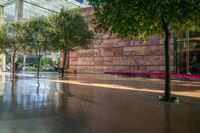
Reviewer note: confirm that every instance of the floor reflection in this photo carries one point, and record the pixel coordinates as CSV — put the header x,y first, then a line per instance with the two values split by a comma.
x,y
29,94
65,88
28,104
32,105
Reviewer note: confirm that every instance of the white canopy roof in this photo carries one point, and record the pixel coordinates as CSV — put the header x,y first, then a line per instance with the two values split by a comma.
x,y
34,8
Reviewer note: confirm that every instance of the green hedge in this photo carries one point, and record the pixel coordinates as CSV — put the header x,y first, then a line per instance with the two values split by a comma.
x,y
31,69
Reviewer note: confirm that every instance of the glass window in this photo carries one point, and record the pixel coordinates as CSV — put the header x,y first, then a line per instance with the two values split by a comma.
x,y
188,54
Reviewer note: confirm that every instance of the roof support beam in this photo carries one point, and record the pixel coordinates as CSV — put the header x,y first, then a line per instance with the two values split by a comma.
x,y
8,3
19,5
41,7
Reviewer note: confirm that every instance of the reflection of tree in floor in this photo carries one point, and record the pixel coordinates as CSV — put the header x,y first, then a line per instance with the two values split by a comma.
x,y
167,118
13,86
65,88
38,86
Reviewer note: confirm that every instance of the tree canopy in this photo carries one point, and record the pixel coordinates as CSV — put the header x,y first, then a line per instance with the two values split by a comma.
x,y
11,39
36,36
135,18
71,32
142,18
2,40
12,36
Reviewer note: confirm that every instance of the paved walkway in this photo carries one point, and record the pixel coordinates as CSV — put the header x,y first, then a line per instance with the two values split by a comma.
x,y
96,104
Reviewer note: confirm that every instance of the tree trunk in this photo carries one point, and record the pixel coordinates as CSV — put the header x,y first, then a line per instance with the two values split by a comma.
x,y
64,61
38,67
167,95
67,58
13,64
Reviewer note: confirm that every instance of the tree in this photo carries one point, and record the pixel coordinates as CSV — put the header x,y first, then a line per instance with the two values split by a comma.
x,y
2,40
70,33
12,40
36,38
46,61
20,58
142,18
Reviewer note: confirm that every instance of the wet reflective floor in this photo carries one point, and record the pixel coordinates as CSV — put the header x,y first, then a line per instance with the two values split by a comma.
x,y
96,104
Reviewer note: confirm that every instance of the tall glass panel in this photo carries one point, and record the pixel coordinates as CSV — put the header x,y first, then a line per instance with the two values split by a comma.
x,y
181,57
194,56
188,53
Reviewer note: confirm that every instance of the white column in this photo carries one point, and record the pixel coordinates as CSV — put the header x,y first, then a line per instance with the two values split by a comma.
x,y
3,62
3,56
24,59
1,14
54,58
19,4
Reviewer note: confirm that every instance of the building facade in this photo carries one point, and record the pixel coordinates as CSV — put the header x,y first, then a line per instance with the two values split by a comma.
x,y
109,53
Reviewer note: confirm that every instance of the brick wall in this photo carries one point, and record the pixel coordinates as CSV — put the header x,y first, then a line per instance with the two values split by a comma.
x,y
114,54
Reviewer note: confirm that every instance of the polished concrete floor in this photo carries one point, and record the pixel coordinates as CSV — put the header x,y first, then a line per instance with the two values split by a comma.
x,y
96,104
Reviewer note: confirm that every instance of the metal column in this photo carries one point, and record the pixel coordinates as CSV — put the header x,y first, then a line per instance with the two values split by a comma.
x,y
188,53
19,9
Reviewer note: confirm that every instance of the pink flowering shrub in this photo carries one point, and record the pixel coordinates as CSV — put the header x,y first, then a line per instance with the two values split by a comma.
x,y
157,75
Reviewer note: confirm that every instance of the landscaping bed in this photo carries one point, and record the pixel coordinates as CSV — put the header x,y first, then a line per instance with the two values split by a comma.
x,y
157,75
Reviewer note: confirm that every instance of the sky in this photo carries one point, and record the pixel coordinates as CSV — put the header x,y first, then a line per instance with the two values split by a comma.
x,y
82,1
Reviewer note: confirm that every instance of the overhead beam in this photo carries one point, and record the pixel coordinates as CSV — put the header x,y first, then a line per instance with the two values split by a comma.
x,y
8,3
41,7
